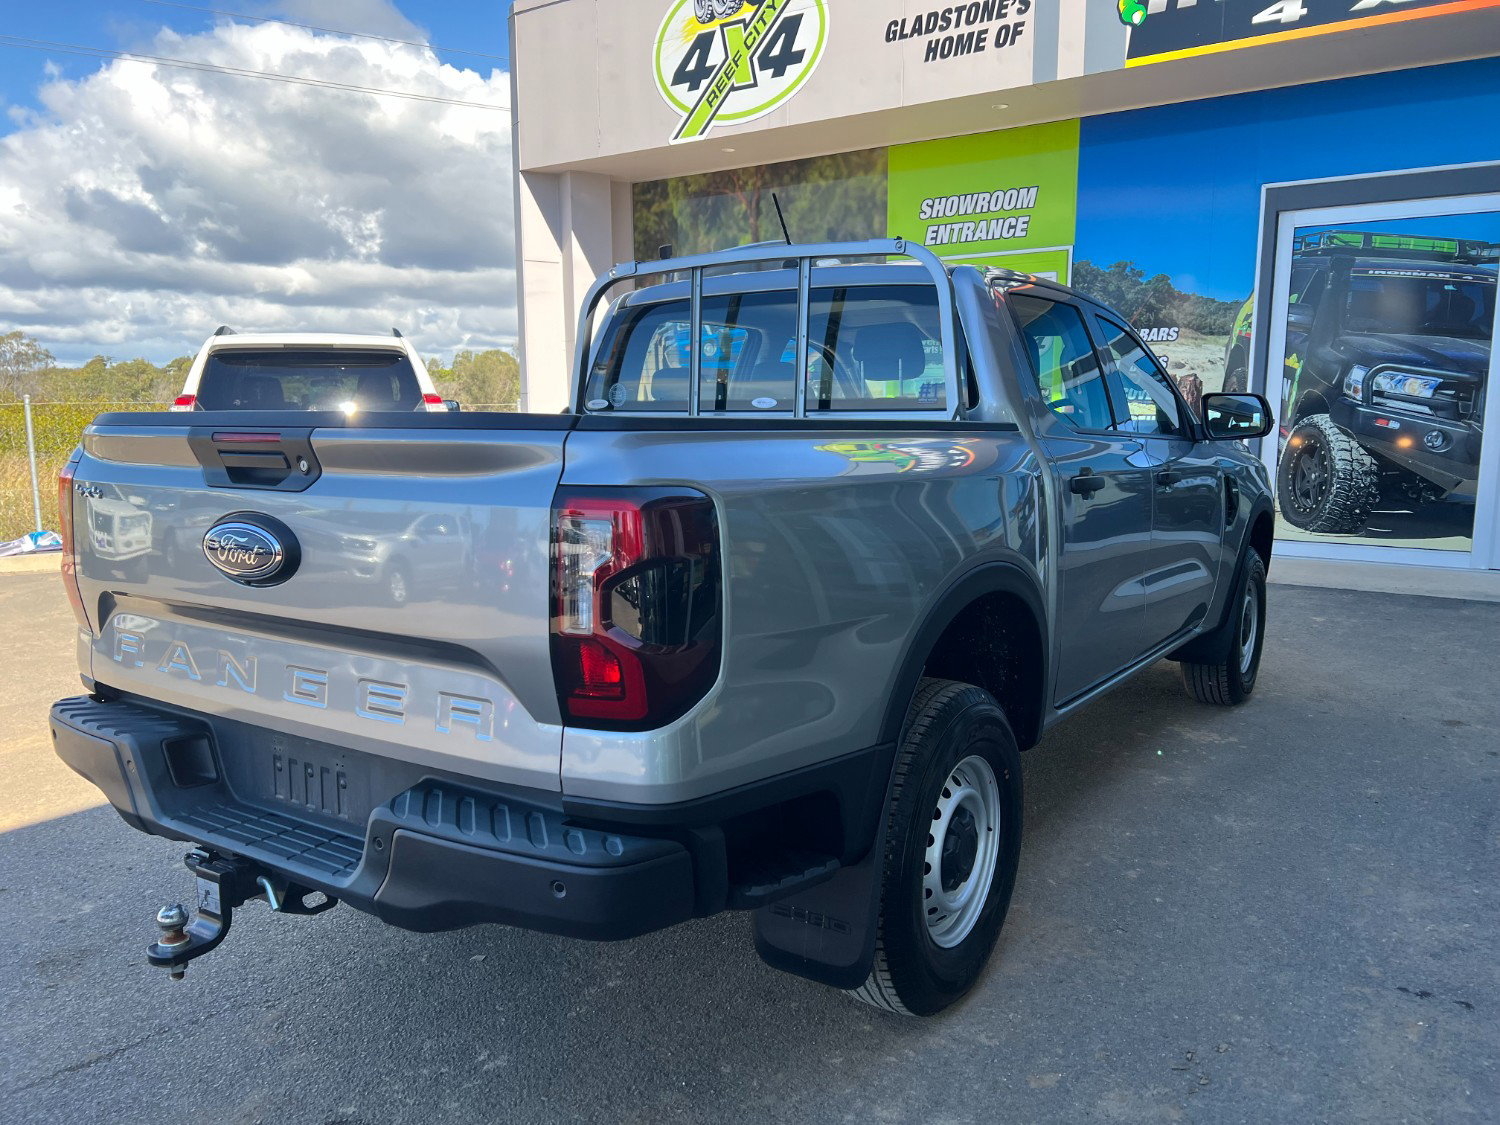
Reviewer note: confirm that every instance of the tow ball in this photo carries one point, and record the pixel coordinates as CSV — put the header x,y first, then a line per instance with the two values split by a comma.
x,y
224,882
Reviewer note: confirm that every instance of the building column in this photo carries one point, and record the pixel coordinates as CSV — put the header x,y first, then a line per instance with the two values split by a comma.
x,y
566,236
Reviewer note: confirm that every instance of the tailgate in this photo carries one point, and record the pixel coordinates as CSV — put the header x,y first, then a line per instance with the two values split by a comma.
x,y
414,623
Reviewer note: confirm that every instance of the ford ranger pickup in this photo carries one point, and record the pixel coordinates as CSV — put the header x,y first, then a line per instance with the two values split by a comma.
x,y
828,535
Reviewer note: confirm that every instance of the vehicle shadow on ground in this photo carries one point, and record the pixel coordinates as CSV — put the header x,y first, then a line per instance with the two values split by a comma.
x,y
573,1028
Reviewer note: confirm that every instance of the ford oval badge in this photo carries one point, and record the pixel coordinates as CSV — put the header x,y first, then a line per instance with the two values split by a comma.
x,y
255,551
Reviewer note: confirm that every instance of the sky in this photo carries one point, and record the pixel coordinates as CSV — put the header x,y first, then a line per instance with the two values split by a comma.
x,y
142,205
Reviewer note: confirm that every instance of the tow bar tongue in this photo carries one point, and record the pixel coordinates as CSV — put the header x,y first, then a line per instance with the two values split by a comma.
x,y
224,882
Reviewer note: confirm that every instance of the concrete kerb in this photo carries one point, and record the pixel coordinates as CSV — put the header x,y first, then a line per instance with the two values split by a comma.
x,y
48,562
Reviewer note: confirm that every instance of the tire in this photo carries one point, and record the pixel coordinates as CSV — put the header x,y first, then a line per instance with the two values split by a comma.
x,y
1228,680
1235,381
958,765
1326,481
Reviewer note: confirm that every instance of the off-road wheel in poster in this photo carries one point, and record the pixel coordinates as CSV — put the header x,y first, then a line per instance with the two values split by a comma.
x,y
1326,481
952,841
1228,677
1236,381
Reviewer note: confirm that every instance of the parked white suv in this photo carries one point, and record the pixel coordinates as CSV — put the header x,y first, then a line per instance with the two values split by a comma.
x,y
308,371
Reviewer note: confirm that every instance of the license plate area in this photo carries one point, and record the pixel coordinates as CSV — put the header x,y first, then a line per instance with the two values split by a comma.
x,y
300,777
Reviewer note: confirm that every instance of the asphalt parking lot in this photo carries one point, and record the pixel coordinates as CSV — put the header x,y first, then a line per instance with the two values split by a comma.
x,y
1285,912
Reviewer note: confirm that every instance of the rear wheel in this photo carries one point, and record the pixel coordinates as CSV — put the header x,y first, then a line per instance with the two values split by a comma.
x,y
1326,481
952,844
1229,677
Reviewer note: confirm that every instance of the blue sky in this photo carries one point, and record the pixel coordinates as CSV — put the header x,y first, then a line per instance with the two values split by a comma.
x,y
143,205
469,25
1176,189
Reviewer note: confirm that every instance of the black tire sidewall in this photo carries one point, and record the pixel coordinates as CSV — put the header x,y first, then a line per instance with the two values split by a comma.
x,y
927,976
1350,491
1254,571
1285,469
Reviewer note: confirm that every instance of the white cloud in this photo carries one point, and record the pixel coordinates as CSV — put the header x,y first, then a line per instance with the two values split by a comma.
x,y
146,205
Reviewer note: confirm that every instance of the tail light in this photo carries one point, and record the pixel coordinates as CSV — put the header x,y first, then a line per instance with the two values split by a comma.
x,y
433,404
185,402
636,605
65,529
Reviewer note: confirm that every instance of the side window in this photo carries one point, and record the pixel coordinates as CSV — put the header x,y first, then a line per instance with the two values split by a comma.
x,y
643,361
875,347
748,352
1143,396
1310,293
1067,369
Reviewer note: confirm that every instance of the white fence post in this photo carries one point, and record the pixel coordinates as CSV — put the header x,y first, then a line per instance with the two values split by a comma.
x,y
36,491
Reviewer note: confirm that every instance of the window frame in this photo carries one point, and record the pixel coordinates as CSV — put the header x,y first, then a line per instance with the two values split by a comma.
x,y
950,326
968,389
1188,422
1090,335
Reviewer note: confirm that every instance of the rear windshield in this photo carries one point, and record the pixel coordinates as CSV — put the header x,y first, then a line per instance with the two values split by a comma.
x,y
324,379
870,348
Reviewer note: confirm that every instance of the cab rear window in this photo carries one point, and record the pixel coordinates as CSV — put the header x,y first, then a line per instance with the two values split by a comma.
x,y
348,379
870,348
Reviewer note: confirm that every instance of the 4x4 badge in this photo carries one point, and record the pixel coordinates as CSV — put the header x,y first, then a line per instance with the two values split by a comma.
x,y
730,61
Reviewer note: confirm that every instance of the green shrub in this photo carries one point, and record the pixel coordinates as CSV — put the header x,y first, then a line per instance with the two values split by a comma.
x,y
58,426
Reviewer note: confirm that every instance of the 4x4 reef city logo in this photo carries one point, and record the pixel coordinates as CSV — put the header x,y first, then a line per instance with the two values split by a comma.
x,y
721,62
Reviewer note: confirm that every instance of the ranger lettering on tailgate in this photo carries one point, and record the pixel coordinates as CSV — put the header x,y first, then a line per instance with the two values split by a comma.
x,y
137,642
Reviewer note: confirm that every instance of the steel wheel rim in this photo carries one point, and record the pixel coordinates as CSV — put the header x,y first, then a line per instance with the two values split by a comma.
x,y
398,586
967,809
1249,628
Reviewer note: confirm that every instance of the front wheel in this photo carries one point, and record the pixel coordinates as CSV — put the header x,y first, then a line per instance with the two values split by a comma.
x,y
952,844
1228,677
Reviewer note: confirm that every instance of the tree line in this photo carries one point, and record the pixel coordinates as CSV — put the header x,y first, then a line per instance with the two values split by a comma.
x,y
1154,301
479,378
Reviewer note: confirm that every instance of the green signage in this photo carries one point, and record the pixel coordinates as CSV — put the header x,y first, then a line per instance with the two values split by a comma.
x,y
1006,199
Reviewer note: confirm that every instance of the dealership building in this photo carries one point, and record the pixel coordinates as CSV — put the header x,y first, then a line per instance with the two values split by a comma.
x,y
1296,197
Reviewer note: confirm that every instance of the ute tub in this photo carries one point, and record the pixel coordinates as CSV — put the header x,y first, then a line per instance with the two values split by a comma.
x,y
438,853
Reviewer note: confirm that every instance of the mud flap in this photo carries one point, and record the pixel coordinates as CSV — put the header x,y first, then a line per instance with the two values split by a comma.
x,y
826,933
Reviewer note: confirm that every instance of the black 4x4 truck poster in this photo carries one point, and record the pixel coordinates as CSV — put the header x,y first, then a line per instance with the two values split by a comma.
x,y
1389,329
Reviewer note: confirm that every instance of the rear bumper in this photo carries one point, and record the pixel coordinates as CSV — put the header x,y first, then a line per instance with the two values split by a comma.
x,y
437,855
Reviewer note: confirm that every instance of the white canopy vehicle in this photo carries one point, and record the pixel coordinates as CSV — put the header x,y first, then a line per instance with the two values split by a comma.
x,y
309,371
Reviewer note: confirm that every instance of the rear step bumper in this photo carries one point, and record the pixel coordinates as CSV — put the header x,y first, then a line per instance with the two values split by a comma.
x,y
438,856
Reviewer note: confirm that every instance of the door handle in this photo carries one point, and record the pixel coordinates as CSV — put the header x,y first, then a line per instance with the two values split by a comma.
x,y
1086,483
1166,478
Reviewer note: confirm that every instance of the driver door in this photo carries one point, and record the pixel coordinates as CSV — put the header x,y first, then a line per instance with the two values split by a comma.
x,y
1187,483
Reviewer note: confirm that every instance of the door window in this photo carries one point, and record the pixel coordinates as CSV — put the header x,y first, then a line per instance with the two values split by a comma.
x,y
1067,370
1143,396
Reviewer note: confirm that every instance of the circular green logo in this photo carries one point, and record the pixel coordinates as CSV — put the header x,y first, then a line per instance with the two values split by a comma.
x,y
1132,12
723,62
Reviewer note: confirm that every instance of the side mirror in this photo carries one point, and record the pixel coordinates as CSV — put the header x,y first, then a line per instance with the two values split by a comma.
x,y
452,404
1236,417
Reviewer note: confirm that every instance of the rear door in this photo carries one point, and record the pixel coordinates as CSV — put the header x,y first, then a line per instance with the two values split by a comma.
x,y
414,620
1188,501
1104,485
